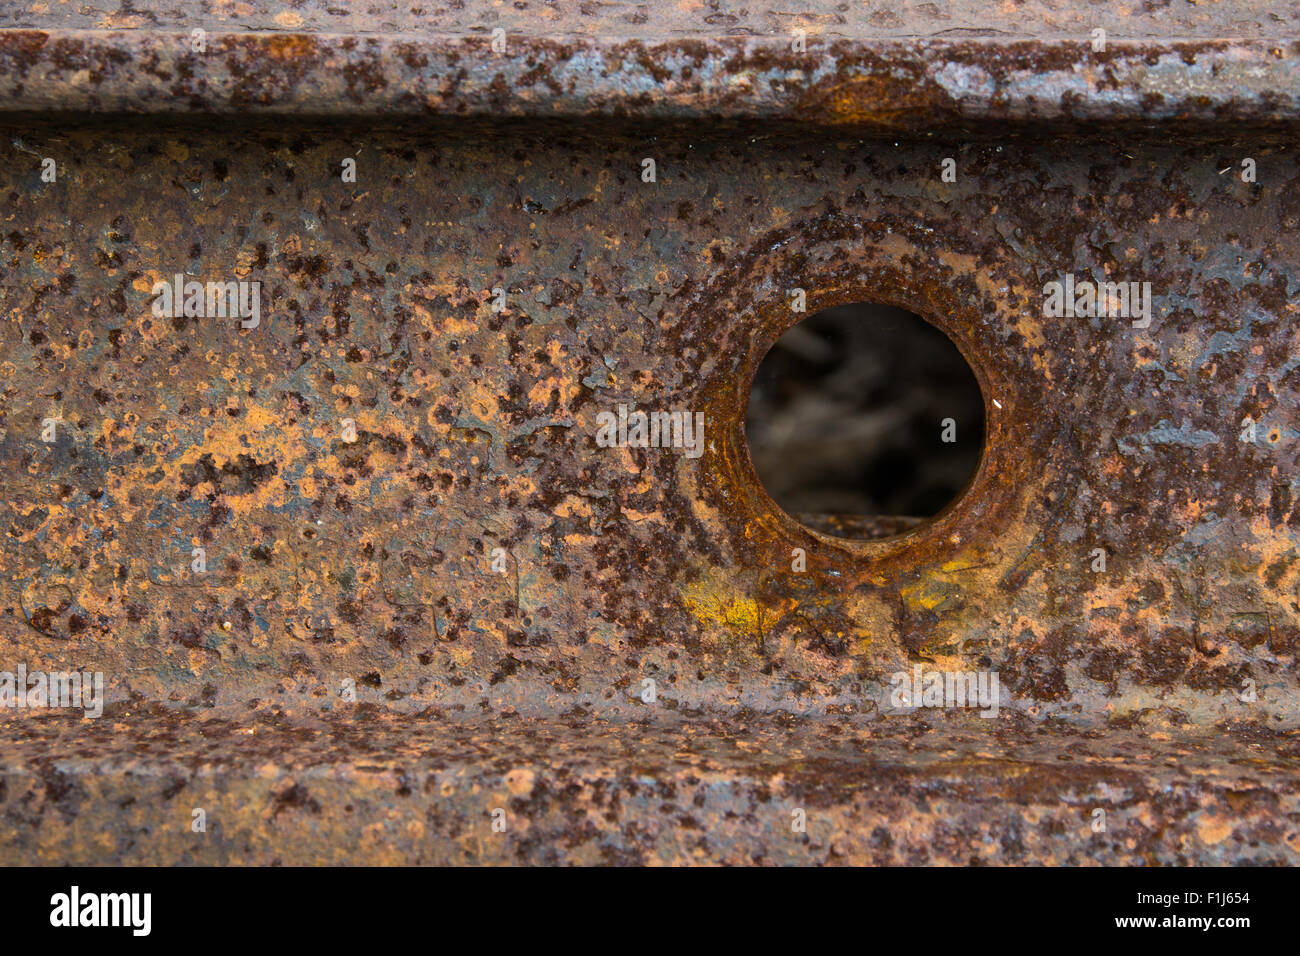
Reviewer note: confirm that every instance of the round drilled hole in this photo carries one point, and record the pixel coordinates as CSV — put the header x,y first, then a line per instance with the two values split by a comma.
x,y
865,421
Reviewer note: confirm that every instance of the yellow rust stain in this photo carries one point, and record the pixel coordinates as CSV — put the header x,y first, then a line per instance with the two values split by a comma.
x,y
927,593
714,603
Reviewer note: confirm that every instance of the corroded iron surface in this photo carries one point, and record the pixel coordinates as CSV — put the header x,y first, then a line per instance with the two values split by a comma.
x,y
475,429
421,567
634,20
373,787
885,84
909,65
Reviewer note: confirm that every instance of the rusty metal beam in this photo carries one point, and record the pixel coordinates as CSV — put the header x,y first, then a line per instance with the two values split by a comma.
x,y
427,593
915,83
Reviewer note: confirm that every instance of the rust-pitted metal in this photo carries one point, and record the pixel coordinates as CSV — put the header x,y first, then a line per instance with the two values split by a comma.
x,y
497,588
679,787
911,65
639,20
917,84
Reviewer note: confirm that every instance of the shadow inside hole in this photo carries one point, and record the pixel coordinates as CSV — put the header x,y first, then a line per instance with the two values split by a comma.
x,y
864,420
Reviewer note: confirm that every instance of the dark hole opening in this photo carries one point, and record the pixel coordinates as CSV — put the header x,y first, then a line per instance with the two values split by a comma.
x,y
865,420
